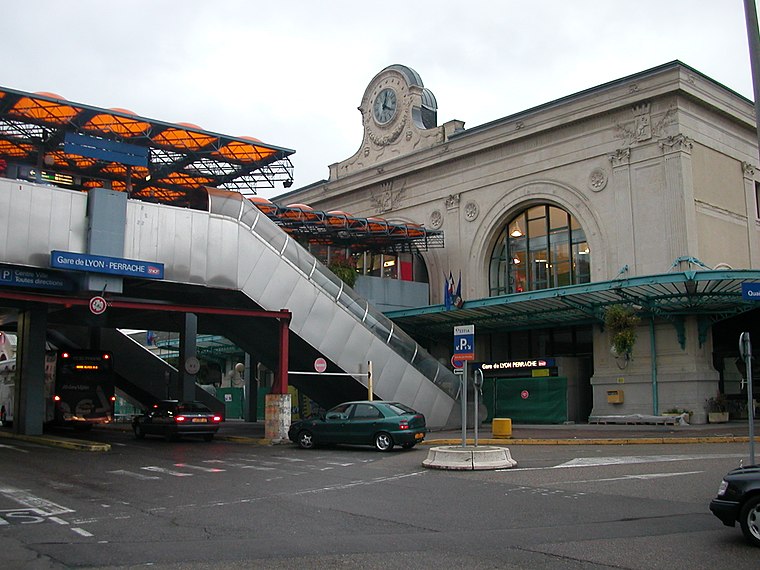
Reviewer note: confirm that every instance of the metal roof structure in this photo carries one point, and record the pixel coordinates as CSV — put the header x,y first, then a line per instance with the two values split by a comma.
x,y
712,295
344,230
46,138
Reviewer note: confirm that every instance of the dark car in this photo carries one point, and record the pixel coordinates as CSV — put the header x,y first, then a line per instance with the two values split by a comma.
x,y
172,419
739,500
368,422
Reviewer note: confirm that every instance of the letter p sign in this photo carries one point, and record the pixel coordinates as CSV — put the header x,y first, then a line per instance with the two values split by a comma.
x,y
464,342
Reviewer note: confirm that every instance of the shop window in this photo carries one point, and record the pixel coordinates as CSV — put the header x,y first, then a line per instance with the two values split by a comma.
x,y
542,247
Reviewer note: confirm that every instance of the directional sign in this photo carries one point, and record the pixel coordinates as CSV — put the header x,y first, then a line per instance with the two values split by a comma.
x,y
464,342
751,291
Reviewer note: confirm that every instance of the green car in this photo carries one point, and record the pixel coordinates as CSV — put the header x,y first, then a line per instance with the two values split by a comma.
x,y
367,422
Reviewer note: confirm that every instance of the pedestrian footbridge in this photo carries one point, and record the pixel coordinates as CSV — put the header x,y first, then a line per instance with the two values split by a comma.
x,y
232,255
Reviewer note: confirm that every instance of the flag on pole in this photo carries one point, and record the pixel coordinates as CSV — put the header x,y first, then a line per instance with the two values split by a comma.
x,y
456,299
446,292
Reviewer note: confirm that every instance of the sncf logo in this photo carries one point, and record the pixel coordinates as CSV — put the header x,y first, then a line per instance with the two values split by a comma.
x,y
153,270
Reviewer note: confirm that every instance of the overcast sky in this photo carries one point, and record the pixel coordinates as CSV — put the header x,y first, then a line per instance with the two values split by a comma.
x,y
293,73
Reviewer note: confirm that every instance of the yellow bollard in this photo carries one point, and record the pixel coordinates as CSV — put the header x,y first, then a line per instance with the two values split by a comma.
x,y
501,427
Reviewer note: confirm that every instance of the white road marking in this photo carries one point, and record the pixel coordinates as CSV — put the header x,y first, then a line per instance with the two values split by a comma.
x,y
626,460
643,476
165,471
134,475
81,531
58,520
631,459
14,448
200,468
28,500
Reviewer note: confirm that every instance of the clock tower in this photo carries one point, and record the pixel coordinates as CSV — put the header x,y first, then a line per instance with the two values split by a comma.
x,y
399,115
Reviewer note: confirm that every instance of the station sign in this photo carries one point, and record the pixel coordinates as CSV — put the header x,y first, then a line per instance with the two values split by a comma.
x,y
464,342
104,264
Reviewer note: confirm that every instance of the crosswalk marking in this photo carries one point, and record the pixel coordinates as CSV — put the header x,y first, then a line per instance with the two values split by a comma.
x,y
133,474
199,468
166,471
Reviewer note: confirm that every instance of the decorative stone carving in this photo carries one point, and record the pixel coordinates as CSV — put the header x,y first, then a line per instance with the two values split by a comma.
x,y
452,201
436,219
471,211
387,198
620,157
676,143
643,122
597,180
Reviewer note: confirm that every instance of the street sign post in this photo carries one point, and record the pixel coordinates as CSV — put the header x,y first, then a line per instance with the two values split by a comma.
x,y
464,351
745,349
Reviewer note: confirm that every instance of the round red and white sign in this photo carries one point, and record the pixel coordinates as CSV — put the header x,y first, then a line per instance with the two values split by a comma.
x,y
524,394
456,363
320,365
98,305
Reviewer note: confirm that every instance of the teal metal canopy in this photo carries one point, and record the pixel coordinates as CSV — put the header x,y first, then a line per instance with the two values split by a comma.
x,y
712,295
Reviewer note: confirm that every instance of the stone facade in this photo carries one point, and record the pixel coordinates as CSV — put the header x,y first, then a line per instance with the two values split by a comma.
x,y
659,169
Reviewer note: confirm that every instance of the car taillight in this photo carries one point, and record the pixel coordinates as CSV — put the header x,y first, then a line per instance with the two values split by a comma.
x,y
217,419
113,398
180,419
403,424
56,398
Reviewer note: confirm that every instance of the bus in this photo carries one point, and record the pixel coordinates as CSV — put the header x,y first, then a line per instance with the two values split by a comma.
x,y
79,388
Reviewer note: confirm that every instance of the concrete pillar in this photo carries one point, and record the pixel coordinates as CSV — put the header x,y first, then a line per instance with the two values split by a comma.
x,y
277,417
29,405
188,359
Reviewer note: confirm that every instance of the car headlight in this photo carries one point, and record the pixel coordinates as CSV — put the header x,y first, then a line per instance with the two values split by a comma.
x,y
722,488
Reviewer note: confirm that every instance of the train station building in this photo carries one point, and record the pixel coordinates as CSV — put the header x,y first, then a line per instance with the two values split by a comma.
x,y
603,246
637,198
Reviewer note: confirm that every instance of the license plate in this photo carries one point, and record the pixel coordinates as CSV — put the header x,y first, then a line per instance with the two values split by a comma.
x,y
199,420
419,435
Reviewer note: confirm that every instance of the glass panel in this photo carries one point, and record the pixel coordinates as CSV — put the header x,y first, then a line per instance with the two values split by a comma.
x,y
557,218
546,247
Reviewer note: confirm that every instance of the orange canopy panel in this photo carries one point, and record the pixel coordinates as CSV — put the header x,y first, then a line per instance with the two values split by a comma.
x,y
57,112
264,205
300,212
118,123
102,147
15,150
337,218
244,151
190,138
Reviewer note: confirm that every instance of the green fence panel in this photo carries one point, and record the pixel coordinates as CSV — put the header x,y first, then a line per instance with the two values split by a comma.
x,y
540,400
233,402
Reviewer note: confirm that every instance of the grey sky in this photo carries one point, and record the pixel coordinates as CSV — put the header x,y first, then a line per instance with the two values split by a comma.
x,y
293,73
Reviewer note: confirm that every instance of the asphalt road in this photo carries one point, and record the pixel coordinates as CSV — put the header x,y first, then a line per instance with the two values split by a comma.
x,y
198,505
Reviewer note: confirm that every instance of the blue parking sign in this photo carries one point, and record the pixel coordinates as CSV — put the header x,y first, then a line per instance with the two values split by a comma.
x,y
464,342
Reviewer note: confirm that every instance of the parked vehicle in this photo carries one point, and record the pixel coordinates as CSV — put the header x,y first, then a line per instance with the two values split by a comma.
x,y
173,419
739,500
369,422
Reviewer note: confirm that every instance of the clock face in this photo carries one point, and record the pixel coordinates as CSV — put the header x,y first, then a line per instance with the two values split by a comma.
x,y
384,108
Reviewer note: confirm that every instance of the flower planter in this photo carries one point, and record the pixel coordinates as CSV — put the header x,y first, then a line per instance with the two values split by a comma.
x,y
717,417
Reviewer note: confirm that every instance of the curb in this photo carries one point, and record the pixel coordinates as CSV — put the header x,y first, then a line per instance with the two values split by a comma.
x,y
52,441
594,441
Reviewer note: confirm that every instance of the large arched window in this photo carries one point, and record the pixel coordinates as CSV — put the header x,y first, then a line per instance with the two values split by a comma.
x,y
540,248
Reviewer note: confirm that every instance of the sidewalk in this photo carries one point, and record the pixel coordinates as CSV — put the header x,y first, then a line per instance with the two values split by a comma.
x,y
567,434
